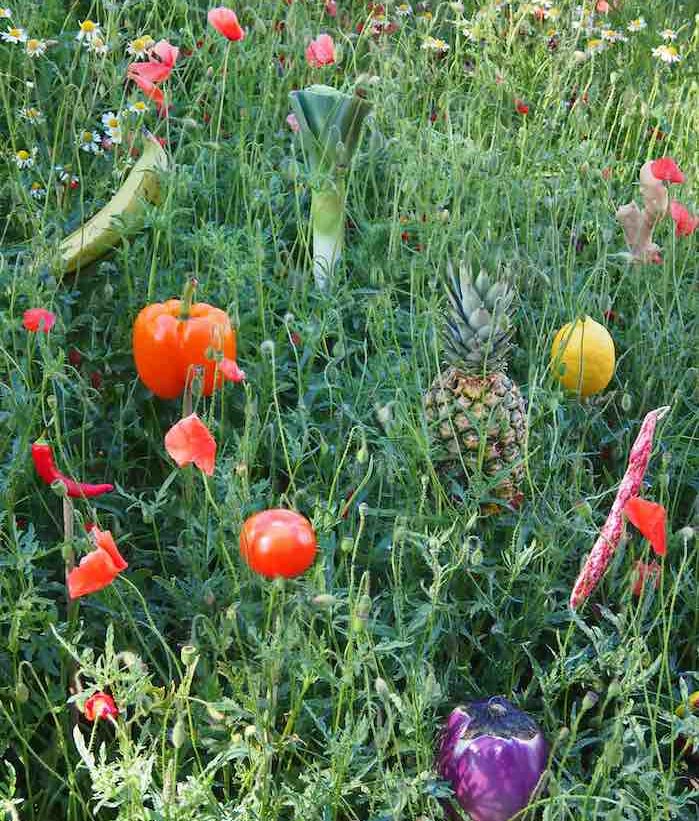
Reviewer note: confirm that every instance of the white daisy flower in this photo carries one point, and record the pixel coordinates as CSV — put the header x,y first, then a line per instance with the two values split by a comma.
x,y
668,54
636,25
5,13
31,114
14,35
668,34
35,48
435,44
140,47
37,191
405,9
25,158
97,46
138,107
88,31
90,141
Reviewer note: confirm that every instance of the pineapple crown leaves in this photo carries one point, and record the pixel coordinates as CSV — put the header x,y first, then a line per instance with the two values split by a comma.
x,y
478,330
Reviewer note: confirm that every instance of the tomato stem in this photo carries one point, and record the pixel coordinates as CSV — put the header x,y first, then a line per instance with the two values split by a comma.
x,y
188,297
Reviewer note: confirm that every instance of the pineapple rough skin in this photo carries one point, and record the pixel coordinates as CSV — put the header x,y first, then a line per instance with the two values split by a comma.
x,y
478,427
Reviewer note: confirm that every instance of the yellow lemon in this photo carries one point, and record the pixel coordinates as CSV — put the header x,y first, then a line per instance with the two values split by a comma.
x,y
582,356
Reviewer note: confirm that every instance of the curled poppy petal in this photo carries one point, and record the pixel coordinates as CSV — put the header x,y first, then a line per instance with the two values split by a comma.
x,y
650,519
685,223
189,441
666,169
230,370
98,569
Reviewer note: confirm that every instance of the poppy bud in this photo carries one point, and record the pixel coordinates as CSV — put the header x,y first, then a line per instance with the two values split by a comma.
x,y
59,488
21,692
591,698
626,402
189,655
179,734
381,688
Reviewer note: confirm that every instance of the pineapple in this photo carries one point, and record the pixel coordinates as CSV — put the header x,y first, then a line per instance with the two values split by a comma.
x,y
476,414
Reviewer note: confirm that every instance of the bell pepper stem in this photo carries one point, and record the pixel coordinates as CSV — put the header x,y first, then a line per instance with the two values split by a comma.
x,y
188,298
328,220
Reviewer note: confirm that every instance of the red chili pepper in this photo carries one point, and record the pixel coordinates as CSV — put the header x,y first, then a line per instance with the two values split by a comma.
x,y
42,456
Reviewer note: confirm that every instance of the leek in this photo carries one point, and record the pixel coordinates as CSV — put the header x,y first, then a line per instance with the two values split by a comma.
x,y
330,124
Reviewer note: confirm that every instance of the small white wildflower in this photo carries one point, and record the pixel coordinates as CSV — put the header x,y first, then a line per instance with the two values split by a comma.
x,y
37,191
612,36
139,107
636,25
31,114
14,35
89,30
35,48
405,9
25,158
435,44
97,46
595,45
89,141
140,47
668,34
668,54
5,13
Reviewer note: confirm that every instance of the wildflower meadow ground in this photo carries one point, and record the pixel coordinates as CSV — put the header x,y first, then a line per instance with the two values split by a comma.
x,y
348,374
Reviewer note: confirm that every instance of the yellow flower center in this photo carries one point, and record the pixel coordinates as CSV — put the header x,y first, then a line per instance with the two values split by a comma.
x,y
139,106
87,136
17,33
36,186
23,155
33,45
113,123
139,44
87,26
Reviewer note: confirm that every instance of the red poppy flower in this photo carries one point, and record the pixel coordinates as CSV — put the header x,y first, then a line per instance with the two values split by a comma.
x,y
331,8
645,571
650,519
602,6
321,51
226,23
666,169
521,107
190,441
100,705
156,71
99,568
38,319
685,223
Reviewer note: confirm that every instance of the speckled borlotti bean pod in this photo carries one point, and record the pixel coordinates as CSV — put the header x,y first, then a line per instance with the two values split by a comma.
x,y
609,536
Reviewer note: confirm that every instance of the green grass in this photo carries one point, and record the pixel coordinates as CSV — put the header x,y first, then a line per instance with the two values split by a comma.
x,y
321,698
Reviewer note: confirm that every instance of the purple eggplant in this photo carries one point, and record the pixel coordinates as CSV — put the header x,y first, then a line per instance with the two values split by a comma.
x,y
493,755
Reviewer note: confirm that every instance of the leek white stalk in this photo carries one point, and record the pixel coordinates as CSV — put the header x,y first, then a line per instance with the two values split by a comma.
x,y
330,124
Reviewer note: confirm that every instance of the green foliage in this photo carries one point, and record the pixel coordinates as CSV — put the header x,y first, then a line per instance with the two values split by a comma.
x,y
320,698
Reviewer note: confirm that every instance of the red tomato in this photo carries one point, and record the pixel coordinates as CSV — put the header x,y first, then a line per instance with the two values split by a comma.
x,y
278,542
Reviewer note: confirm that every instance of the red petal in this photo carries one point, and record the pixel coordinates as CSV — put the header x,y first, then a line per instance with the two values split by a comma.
x,y
95,572
190,441
167,52
649,518
226,23
230,370
38,319
151,71
105,541
685,223
666,169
